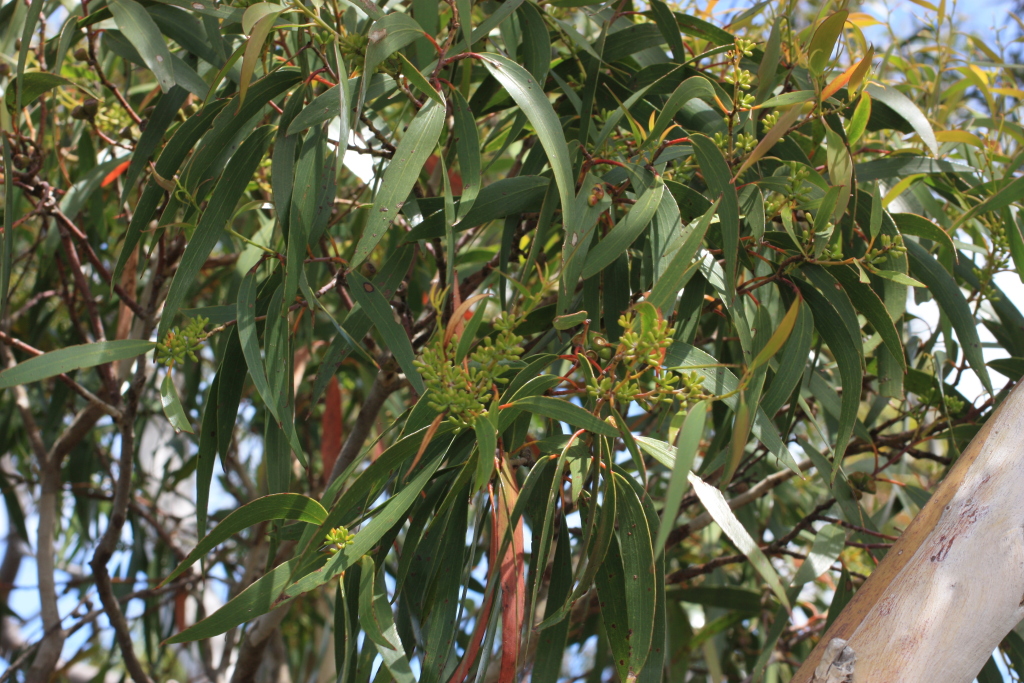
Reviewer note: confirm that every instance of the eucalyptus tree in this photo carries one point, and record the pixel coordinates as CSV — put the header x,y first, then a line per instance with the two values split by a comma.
x,y
450,341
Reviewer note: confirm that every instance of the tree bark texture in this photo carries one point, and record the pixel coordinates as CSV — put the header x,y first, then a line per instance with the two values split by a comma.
x,y
952,587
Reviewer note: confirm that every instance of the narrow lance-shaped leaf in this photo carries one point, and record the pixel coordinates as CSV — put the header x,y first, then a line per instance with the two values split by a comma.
x,y
778,338
379,310
845,351
666,289
531,99
400,176
172,405
824,41
73,358
564,411
136,24
467,144
290,506
625,232
211,224
719,181
902,105
258,33
638,567
387,35
718,507
687,445
952,302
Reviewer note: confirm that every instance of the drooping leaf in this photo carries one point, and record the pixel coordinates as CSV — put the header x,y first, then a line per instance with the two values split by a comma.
x,y
289,506
136,24
719,509
952,303
400,176
72,358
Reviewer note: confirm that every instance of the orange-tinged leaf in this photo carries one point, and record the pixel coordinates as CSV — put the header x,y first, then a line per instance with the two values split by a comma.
x,y
838,82
857,77
113,175
513,584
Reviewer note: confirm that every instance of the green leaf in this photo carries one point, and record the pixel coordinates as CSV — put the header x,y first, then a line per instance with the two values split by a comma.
x,y
387,35
487,440
140,29
1007,195
534,103
171,404
719,180
211,224
159,121
718,507
677,273
379,310
767,70
919,226
33,85
819,50
688,443
692,88
72,358
173,154
254,47
847,355
611,591
367,614
467,144
259,598
624,232
722,382
698,28
666,22
905,108
378,623
501,198
326,105
856,126
903,165
563,411
639,575
289,506
898,278
952,303
395,509
871,307
779,336
829,542
792,364
400,176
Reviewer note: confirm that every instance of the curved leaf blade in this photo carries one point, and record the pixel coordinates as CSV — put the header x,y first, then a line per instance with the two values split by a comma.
x,y
277,506
73,358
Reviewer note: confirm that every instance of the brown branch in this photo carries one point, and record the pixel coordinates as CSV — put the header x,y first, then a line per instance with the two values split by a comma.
x,y
108,542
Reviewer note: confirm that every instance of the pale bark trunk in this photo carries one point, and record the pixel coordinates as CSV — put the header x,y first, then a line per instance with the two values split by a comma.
x,y
951,588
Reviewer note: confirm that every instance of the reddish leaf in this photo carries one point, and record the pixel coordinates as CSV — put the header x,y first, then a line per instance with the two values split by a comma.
x,y
113,175
513,585
331,427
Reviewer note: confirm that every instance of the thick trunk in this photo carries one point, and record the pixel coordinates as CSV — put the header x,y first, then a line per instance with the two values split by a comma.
x,y
951,588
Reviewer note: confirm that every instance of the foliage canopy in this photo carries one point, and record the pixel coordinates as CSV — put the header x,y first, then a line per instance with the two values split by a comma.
x,y
454,341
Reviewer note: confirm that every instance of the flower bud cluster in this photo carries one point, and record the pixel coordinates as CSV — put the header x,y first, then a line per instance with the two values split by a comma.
x,y
463,389
888,245
337,539
641,350
180,343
